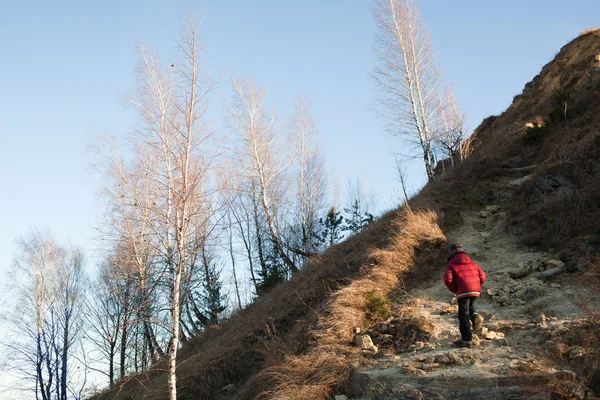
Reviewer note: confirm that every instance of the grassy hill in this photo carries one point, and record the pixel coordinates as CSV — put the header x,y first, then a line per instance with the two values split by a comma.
x,y
539,162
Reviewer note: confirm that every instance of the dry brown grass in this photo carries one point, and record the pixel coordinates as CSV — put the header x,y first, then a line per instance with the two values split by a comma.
x,y
324,365
589,30
280,325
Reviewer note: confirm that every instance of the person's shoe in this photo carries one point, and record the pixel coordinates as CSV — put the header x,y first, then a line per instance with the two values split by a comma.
x,y
477,322
464,344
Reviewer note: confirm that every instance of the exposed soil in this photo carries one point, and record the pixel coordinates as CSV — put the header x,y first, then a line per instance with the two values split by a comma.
x,y
523,311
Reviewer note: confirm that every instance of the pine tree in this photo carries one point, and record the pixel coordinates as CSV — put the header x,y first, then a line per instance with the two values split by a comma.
x,y
274,271
358,219
331,231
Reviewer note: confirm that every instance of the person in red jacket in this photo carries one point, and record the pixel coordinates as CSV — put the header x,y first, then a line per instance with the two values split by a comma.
x,y
464,278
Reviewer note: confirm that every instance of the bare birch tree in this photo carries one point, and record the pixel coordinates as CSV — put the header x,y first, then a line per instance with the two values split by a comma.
x,y
452,130
264,169
310,180
407,77
47,287
168,189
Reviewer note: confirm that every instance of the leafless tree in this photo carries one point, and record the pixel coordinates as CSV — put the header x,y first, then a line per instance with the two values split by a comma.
x,y
310,180
401,169
165,193
452,130
47,287
407,76
264,168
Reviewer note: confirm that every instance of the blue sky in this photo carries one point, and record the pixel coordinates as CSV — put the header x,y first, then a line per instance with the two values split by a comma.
x,y
64,63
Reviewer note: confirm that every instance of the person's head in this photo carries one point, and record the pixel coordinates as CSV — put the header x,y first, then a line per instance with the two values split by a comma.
x,y
456,248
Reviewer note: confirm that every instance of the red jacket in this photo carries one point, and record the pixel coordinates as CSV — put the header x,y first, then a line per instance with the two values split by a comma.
x,y
463,276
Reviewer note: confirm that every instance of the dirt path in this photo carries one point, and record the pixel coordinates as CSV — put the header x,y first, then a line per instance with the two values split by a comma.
x,y
522,309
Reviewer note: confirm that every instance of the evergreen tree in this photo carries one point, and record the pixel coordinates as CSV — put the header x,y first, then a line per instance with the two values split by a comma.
x,y
357,219
274,271
212,297
331,231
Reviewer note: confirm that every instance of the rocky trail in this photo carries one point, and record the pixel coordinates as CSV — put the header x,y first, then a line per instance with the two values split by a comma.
x,y
529,299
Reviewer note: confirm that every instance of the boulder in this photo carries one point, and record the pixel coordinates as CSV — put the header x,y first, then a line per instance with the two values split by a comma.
x,y
364,342
341,397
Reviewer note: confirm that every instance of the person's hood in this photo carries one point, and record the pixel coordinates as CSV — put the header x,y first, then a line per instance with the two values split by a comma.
x,y
459,258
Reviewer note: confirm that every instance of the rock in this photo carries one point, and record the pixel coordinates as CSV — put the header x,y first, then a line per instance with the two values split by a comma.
x,y
520,181
491,335
492,291
409,370
576,352
421,372
555,285
429,360
553,271
485,235
583,268
555,264
493,209
229,388
414,364
455,358
356,330
385,339
555,185
364,342
518,273
564,256
571,267
527,294
442,359
566,375
341,397
525,366
450,310
505,300
499,335
484,331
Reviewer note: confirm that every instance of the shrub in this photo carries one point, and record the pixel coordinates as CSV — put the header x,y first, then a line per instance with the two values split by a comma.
x,y
563,108
535,132
377,307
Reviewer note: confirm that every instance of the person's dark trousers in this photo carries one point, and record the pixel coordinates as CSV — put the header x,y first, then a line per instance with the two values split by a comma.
x,y
466,311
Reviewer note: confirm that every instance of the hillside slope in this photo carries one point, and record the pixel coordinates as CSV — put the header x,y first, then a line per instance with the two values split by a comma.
x,y
537,164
